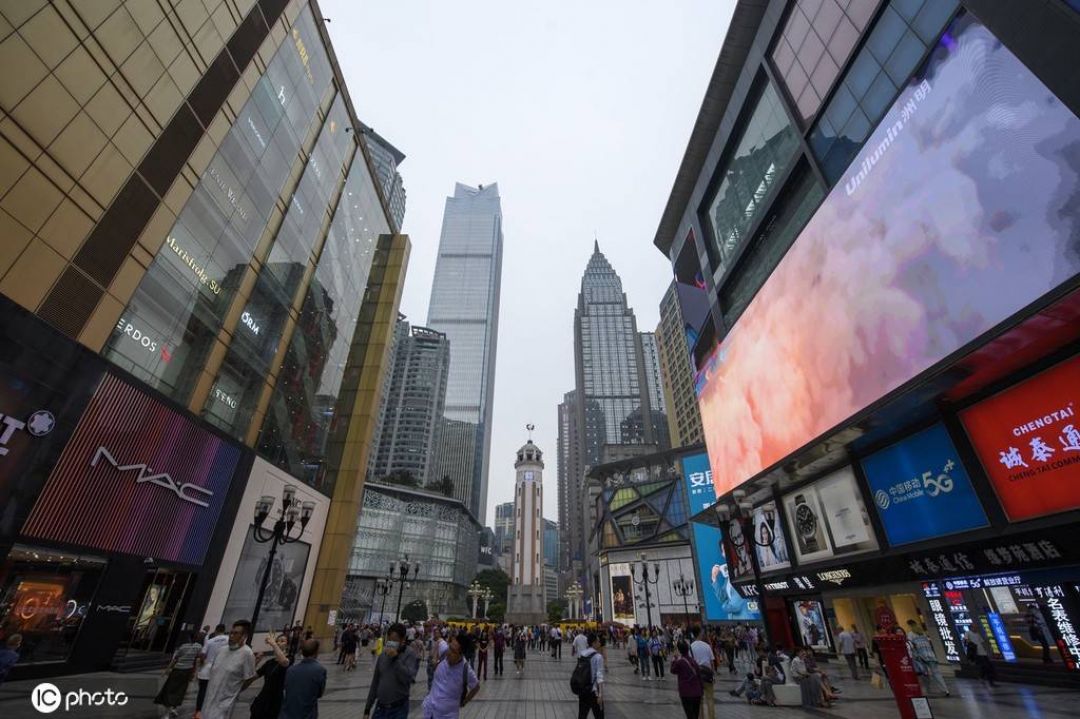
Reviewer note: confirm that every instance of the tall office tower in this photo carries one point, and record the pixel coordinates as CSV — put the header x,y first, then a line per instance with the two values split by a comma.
x,y
465,306
568,473
650,355
199,274
504,526
416,392
612,403
677,373
386,158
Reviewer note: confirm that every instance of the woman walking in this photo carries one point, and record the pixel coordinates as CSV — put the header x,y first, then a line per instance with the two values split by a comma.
x,y
690,687
179,673
267,704
520,644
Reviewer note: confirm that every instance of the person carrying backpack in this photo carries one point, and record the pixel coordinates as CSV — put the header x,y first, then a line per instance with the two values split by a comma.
x,y
643,655
656,651
587,680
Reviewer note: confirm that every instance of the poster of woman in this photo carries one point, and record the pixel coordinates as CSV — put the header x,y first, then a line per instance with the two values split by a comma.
x,y
622,598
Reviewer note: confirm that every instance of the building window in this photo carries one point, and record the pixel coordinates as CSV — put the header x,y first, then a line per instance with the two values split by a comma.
x,y
758,159
893,50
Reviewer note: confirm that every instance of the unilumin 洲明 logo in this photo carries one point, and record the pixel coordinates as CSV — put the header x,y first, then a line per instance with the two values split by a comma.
x,y
184,490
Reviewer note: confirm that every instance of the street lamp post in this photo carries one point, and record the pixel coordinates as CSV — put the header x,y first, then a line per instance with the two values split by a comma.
x,y
487,596
382,587
684,588
280,533
403,567
645,581
475,592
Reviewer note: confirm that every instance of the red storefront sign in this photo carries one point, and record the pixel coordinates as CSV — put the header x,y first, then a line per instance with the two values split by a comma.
x,y
1028,440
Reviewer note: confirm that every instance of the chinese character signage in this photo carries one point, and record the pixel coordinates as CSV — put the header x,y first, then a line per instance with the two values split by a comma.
x,y
722,600
828,518
699,482
921,489
1028,439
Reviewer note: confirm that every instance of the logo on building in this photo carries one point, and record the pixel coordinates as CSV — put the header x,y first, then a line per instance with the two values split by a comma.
x,y
184,490
882,498
39,424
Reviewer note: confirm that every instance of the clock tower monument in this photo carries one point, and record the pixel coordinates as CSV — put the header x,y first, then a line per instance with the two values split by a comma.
x,y
526,600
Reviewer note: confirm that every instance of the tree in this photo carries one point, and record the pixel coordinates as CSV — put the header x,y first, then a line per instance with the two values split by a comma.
x,y
401,477
497,581
555,610
497,612
444,485
415,611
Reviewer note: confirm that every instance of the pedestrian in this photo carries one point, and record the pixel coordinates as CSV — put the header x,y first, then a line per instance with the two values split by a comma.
x,y
348,647
395,672
436,652
975,648
482,655
520,644
809,682
690,686
706,661
178,675
860,648
213,643
656,652
845,644
9,655
1037,633
587,680
294,641
924,657
631,651
267,703
580,644
643,655
305,682
499,646
728,640
556,643
455,682
233,665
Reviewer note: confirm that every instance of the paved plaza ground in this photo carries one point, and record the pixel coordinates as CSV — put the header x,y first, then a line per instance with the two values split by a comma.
x,y
544,693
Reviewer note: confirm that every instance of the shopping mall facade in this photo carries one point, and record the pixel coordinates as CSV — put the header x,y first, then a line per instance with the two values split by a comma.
x,y
875,225
199,275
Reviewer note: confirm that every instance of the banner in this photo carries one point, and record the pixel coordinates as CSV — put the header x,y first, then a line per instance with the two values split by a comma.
x,y
699,482
722,601
921,489
770,544
828,518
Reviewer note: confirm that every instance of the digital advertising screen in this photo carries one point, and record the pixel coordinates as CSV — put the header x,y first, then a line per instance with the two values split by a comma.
x,y
699,483
136,477
959,211
722,601
921,489
828,518
1028,441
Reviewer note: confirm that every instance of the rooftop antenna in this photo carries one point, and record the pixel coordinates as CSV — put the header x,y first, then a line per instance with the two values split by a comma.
x,y
596,242
530,428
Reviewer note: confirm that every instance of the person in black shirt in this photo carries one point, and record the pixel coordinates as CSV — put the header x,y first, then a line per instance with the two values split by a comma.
x,y
395,672
267,704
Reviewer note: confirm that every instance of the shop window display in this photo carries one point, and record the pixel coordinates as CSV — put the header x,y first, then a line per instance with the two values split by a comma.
x,y
44,596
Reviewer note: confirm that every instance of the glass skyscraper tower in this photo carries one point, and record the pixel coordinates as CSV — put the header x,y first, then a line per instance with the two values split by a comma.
x,y
465,307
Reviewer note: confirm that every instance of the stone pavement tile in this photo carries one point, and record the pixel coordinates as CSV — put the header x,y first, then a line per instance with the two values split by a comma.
x,y
544,693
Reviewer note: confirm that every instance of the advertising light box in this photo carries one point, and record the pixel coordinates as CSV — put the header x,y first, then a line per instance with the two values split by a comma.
x,y
921,489
1028,440
136,477
828,518
699,482
959,211
722,601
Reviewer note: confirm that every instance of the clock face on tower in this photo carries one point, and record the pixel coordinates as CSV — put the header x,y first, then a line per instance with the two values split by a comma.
x,y
528,475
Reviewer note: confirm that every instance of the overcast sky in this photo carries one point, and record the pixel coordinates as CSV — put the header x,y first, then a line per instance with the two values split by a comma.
x,y
581,112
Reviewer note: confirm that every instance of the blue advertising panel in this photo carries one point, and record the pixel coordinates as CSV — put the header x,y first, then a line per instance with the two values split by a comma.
x,y
722,601
921,489
699,485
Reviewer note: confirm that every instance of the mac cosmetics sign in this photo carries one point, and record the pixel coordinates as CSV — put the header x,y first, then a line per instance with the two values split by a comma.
x,y
136,477
921,489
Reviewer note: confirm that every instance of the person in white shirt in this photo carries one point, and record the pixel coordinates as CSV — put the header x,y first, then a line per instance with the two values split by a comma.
x,y
581,643
232,667
845,644
976,653
704,657
556,643
211,645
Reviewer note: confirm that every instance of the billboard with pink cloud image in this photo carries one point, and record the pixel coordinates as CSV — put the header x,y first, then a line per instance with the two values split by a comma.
x,y
962,209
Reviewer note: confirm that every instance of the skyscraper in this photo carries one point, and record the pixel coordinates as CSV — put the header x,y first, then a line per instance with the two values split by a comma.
x,y
412,414
650,355
504,526
568,472
611,404
465,307
677,373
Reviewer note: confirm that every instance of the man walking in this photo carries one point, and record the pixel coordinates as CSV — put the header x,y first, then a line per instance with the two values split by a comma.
x,y
591,694
305,682
395,672
860,649
924,656
230,668
556,643
211,645
975,647
845,643
706,661
455,682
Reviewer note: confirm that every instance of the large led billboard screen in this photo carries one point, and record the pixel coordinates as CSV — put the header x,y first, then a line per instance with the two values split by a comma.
x,y
136,477
959,212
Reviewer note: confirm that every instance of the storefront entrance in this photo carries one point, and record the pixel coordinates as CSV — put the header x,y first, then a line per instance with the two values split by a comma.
x,y
157,615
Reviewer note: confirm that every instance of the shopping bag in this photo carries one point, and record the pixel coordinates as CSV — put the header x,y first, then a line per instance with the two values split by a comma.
x,y
877,681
